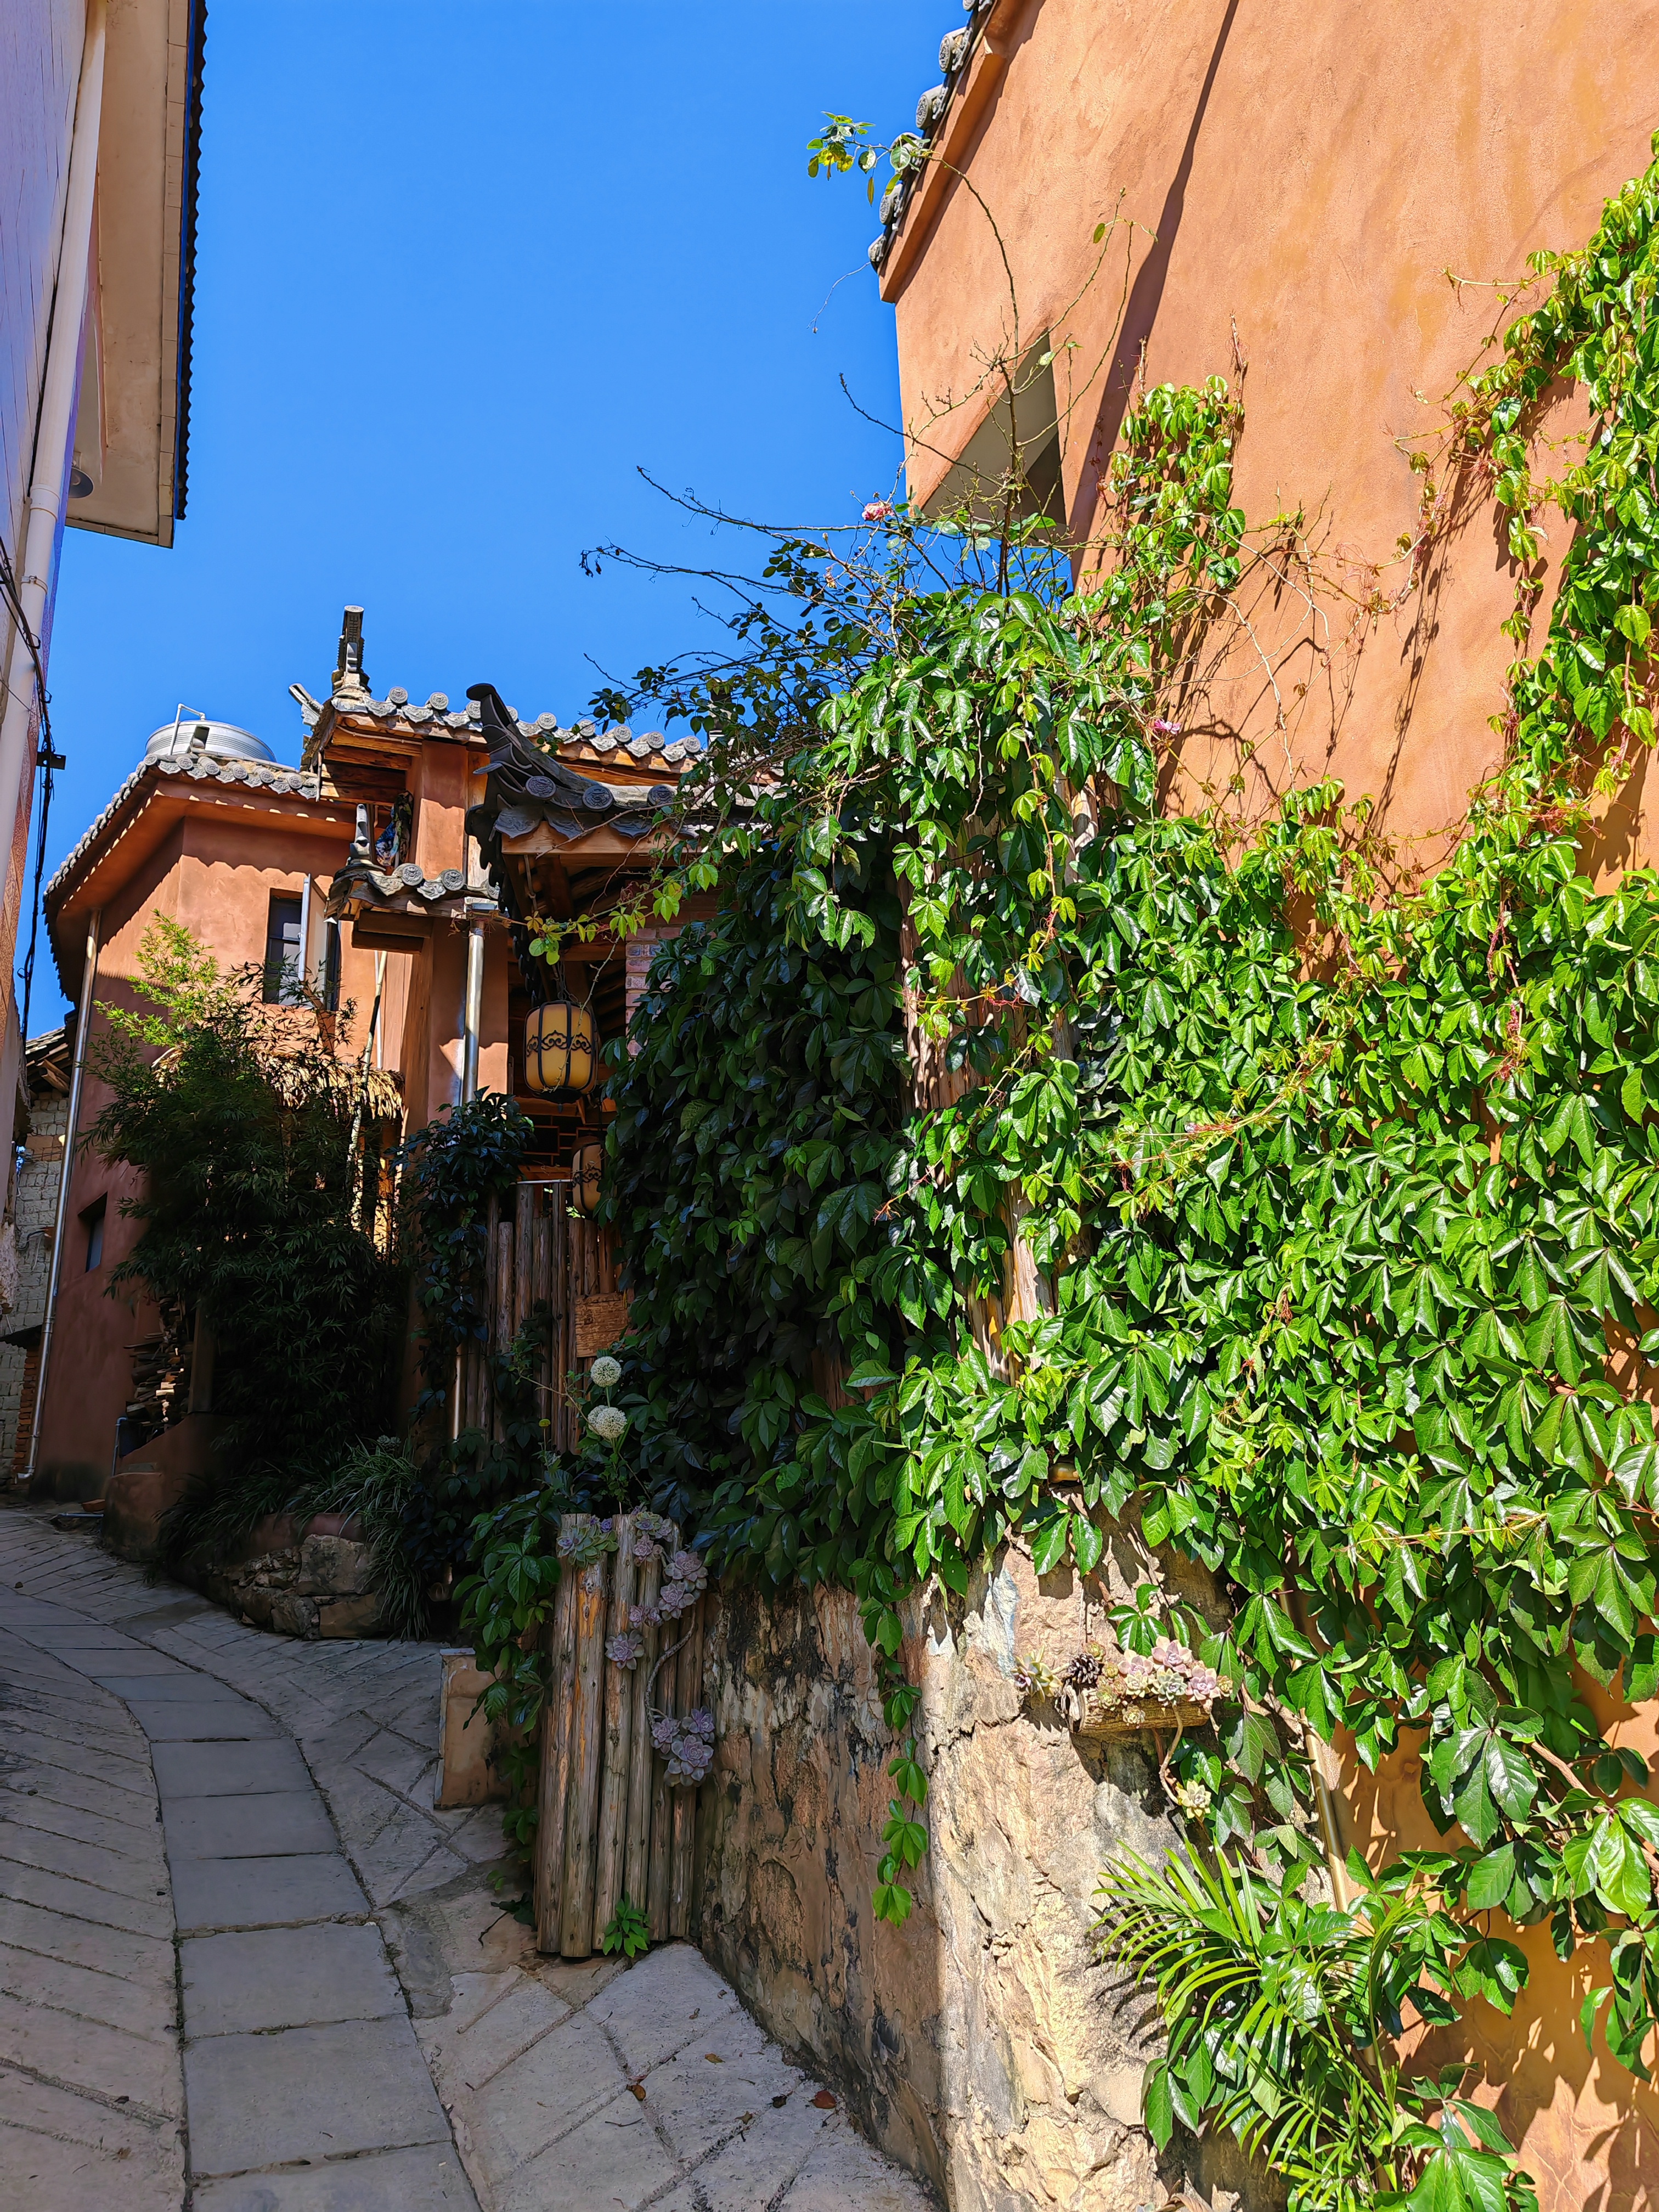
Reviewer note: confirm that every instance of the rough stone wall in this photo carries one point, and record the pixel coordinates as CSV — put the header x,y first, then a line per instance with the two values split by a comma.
x,y
310,1580
36,1198
982,2044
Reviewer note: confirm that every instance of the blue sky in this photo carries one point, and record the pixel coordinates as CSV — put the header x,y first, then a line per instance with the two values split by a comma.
x,y
462,270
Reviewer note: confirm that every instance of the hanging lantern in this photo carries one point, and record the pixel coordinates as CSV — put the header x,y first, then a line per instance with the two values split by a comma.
x,y
558,1047
585,1172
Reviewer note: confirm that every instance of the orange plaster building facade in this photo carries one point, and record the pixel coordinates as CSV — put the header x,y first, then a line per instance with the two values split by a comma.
x,y
1307,180
1329,208
391,874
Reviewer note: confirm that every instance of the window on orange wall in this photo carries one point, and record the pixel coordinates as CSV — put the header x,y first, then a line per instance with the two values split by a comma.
x,y
283,952
92,1220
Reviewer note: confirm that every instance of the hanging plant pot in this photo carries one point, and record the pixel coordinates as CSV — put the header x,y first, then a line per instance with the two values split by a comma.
x,y
585,1172
558,1047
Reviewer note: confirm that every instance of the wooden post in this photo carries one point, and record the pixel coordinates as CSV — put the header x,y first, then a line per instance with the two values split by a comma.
x,y
523,1240
485,1411
612,1852
559,1231
689,1664
555,1757
540,1294
636,1875
659,1875
501,1318
586,1742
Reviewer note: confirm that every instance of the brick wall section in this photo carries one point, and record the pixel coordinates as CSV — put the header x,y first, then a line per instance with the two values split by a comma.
x,y
37,1210
642,950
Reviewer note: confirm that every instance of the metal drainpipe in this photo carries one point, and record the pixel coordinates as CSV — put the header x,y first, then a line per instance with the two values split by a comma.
x,y
55,424
475,959
83,1030
472,1015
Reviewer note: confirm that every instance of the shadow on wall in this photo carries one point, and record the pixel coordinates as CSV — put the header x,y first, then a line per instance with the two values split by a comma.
x,y
1140,312
1587,2131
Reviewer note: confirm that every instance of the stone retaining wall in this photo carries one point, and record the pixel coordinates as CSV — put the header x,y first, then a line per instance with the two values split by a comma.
x,y
308,1581
982,2044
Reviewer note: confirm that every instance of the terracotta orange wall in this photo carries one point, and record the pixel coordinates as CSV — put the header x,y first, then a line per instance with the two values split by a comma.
x,y
1309,173
434,1041
216,877
89,1379
1587,2129
441,790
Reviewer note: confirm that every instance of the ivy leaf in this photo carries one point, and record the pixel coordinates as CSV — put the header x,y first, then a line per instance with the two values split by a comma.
x,y
1551,1341
1473,1804
1049,1542
1492,1969
1532,1282
1615,1865
1492,1880
1511,1778
1088,1542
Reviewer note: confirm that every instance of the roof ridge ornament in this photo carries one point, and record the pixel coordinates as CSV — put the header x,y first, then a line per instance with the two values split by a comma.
x,y
349,673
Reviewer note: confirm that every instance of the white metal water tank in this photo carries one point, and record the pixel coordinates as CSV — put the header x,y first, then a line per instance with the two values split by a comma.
x,y
223,742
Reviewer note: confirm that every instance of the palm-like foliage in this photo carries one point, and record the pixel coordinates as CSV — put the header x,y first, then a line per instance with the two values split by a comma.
x,y
1281,2015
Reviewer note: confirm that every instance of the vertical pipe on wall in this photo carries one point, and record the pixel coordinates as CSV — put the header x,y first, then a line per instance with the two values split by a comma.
x,y
473,1014
82,1031
55,424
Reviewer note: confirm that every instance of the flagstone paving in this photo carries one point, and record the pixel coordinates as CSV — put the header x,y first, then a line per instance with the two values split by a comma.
x,y
242,1955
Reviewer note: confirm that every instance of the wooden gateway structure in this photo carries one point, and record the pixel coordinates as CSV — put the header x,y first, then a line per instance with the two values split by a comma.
x,y
472,822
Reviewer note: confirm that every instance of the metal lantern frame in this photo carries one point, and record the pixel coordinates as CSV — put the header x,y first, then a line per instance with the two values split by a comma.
x,y
561,1049
587,1169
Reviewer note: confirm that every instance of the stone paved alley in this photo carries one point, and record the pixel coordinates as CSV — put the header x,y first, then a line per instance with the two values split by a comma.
x,y
246,1967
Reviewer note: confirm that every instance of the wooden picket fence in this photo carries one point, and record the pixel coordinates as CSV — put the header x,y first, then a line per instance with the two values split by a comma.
x,y
539,1251
611,1824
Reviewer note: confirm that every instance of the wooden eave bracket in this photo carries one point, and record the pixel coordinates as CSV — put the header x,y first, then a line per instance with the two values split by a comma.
x,y
950,143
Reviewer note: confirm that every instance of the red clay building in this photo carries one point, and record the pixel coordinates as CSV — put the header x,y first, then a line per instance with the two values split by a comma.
x,y
362,871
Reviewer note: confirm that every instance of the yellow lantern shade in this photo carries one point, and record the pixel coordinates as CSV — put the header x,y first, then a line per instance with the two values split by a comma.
x,y
585,1172
558,1047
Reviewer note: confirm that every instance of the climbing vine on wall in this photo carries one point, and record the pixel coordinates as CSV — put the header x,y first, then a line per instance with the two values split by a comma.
x,y
452,1168
1342,1193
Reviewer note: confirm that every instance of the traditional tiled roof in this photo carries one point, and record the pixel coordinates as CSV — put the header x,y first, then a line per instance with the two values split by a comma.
x,y
263,776
406,889
954,49
529,785
580,741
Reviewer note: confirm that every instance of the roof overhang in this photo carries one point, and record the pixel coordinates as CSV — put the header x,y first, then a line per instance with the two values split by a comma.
x,y
133,828
132,421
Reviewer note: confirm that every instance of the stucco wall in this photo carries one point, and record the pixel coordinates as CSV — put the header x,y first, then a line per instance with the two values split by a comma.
x,y
981,2043
1306,174
1313,178
1587,2129
216,874
40,69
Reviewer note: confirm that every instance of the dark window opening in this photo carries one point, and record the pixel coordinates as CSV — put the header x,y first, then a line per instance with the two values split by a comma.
x,y
331,965
93,1222
283,952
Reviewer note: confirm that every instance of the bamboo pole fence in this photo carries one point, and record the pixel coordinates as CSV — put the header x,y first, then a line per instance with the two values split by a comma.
x,y
612,1825
537,1252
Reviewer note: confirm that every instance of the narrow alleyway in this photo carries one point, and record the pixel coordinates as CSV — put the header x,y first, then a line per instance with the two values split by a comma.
x,y
245,1965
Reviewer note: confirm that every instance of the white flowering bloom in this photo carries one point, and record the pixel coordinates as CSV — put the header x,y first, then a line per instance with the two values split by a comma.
x,y
607,1422
606,1372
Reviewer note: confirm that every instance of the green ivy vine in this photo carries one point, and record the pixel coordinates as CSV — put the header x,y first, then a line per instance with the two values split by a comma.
x,y
1344,1189
452,1169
